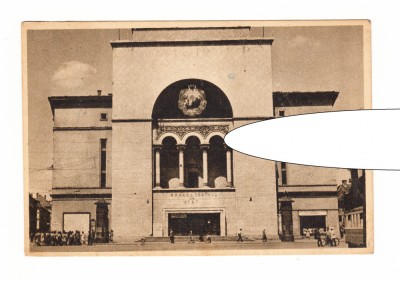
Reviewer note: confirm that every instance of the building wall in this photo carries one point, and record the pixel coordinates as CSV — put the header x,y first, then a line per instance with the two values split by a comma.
x,y
328,204
307,175
81,117
254,180
76,147
140,74
132,179
76,158
73,205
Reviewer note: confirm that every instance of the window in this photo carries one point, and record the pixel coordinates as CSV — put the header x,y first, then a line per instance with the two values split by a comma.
x,y
103,162
281,113
103,117
283,173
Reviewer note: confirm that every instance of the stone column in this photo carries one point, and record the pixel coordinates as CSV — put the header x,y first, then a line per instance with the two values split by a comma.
x,y
181,149
228,166
157,150
205,147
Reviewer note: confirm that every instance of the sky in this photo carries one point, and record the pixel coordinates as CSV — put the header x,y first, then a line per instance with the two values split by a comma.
x,y
79,62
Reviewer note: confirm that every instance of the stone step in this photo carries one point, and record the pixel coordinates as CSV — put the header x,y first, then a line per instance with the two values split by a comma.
x,y
195,238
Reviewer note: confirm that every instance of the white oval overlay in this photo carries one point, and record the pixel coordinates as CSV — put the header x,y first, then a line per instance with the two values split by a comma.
x,y
362,139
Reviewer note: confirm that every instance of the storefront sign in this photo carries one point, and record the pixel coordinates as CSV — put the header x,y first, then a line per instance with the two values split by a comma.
x,y
312,213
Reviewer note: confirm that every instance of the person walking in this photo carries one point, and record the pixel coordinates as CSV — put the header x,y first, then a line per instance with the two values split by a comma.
x,y
264,236
240,233
172,236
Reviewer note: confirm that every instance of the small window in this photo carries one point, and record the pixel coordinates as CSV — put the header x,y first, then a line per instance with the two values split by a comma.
x,y
103,117
281,113
283,173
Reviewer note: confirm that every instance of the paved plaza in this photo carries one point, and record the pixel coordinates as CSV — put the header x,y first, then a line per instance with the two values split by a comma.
x,y
185,246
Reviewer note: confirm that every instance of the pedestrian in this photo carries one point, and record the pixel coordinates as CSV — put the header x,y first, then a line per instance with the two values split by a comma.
x,y
318,237
333,236
328,237
307,233
172,236
341,230
191,237
37,239
264,236
83,238
240,236
111,236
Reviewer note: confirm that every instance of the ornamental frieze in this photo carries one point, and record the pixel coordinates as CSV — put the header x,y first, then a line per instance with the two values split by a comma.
x,y
181,131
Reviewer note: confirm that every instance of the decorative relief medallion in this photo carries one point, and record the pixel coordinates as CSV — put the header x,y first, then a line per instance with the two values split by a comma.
x,y
192,101
181,131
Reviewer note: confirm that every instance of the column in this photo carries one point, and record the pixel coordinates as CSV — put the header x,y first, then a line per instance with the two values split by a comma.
x,y
205,164
157,150
228,166
181,149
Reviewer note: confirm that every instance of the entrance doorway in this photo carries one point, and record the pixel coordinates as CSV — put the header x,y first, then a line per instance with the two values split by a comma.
x,y
312,222
102,223
206,223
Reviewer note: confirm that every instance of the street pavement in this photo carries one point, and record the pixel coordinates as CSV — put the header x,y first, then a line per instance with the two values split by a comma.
x,y
185,246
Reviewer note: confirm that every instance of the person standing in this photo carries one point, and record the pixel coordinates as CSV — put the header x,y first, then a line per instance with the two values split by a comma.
x,y
191,237
264,236
111,236
318,237
328,237
172,236
83,238
240,233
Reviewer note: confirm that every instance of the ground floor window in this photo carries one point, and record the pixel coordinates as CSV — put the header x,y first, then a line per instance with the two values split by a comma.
x,y
310,223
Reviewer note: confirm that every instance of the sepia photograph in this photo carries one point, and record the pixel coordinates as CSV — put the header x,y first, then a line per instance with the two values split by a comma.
x,y
124,127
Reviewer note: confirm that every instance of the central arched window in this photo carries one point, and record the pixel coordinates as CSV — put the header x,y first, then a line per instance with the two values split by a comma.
x,y
190,119
193,163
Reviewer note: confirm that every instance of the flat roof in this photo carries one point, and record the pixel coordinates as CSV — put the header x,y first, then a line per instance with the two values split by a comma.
x,y
293,99
191,42
104,101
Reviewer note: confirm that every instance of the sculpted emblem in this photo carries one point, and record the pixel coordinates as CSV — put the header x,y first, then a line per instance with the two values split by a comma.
x,y
192,101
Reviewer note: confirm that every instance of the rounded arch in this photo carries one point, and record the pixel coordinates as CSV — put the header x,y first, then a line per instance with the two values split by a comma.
x,y
212,104
166,135
193,134
213,134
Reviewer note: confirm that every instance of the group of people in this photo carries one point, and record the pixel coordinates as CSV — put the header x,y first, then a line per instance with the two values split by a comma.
x,y
64,238
58,238
329,236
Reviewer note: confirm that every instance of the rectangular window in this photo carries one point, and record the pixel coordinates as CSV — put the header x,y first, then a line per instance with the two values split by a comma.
x,y
281,113
103,162
103,117
283,173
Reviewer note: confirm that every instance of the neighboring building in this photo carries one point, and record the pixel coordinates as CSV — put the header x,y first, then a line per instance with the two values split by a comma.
x,y
352,202
151,157
312,189
39,213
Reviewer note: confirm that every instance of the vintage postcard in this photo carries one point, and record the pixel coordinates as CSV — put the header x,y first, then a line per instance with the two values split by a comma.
x,y
124,126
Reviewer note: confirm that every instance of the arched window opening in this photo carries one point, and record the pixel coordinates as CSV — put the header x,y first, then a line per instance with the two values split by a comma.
x,y
169,163
217,163
193,163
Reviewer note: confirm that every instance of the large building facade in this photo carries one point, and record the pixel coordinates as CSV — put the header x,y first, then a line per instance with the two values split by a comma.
x,y
151,157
